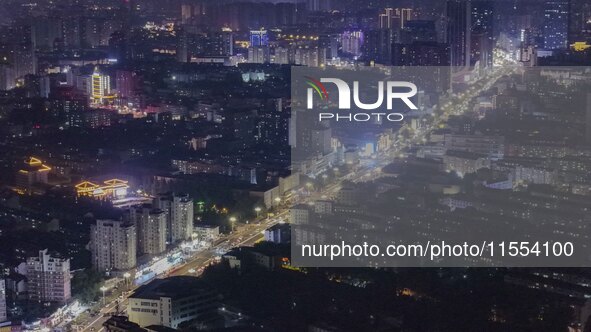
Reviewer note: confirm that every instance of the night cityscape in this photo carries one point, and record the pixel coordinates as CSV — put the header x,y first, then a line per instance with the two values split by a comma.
x,y
197,165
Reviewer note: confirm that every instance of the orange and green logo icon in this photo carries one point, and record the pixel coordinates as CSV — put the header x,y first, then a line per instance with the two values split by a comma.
x,y
318,87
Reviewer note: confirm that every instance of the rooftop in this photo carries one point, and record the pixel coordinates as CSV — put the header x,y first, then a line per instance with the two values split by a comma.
x,y
174,287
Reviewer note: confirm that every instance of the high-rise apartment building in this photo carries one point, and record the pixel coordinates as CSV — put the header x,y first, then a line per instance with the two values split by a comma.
x,y
182,46
352,42
310,57
3,316
579,21
459,32
378,45
127,83
395,18
258,54
113,245
482,37
319,5
556,23
151,229
420,53
179,210
48,278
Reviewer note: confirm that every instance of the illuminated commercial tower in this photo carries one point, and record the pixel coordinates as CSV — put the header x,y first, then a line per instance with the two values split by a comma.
x,y
113,245
48,278
100,87
259,38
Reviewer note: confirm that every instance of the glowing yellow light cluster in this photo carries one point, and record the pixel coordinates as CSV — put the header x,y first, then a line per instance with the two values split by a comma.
x,y
303,37
580,46
109,188
242,43
36,162
34,171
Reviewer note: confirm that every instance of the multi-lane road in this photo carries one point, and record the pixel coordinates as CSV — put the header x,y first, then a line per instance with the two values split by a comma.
x,y
244,235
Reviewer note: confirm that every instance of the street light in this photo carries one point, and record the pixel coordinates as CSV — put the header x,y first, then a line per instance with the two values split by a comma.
x,y
232,222
257,210
103,289
126,275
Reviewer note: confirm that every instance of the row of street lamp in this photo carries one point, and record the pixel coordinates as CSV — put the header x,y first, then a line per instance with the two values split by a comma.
x,y
104,288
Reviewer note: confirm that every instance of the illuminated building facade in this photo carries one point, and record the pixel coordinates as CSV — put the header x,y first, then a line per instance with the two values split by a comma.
x,y
352,42
127,83
172,301
48,278
3,315
482,39
259,38
219,43
258,54
394,18
100,87
151,229
405,16
556,16
459,36
33,171
110,189
311,57
179,210
113,245
420,53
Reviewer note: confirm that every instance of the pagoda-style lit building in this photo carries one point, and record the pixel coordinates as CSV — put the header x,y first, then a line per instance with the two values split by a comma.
x,y
32,172
110,189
